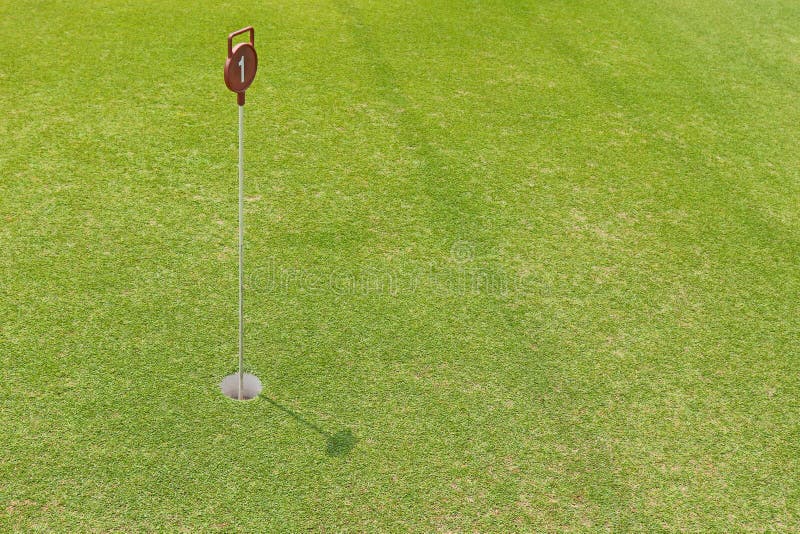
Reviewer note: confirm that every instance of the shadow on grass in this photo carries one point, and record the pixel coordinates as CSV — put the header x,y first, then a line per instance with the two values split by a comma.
x,y
337,445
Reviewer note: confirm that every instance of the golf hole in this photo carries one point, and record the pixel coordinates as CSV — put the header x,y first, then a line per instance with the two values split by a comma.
x,y
251,386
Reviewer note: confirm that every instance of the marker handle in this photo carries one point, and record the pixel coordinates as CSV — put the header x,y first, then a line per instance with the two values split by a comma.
x,y
239,32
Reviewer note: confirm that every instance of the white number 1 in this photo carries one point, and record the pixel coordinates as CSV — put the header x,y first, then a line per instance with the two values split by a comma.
x,y
241,67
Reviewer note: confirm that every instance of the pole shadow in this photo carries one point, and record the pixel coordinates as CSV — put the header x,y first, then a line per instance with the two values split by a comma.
x,y
336,445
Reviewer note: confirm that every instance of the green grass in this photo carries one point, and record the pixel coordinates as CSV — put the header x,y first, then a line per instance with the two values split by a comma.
x,y
511,266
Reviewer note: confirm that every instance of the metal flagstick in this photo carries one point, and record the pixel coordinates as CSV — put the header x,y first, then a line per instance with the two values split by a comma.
x,y
241,249
240,69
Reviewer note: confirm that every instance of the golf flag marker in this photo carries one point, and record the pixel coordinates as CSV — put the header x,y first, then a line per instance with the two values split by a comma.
x,y
242,63
240,69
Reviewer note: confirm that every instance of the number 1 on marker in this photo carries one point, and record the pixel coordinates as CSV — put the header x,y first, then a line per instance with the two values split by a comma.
x,y
241,67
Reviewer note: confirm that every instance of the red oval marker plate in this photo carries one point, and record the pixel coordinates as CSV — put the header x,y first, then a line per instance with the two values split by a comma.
x,y
242,63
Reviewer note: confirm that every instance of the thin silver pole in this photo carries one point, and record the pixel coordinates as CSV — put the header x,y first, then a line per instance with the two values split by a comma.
x,y
241,250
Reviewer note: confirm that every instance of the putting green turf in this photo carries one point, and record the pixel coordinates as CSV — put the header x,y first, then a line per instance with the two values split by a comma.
x,y
511,266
